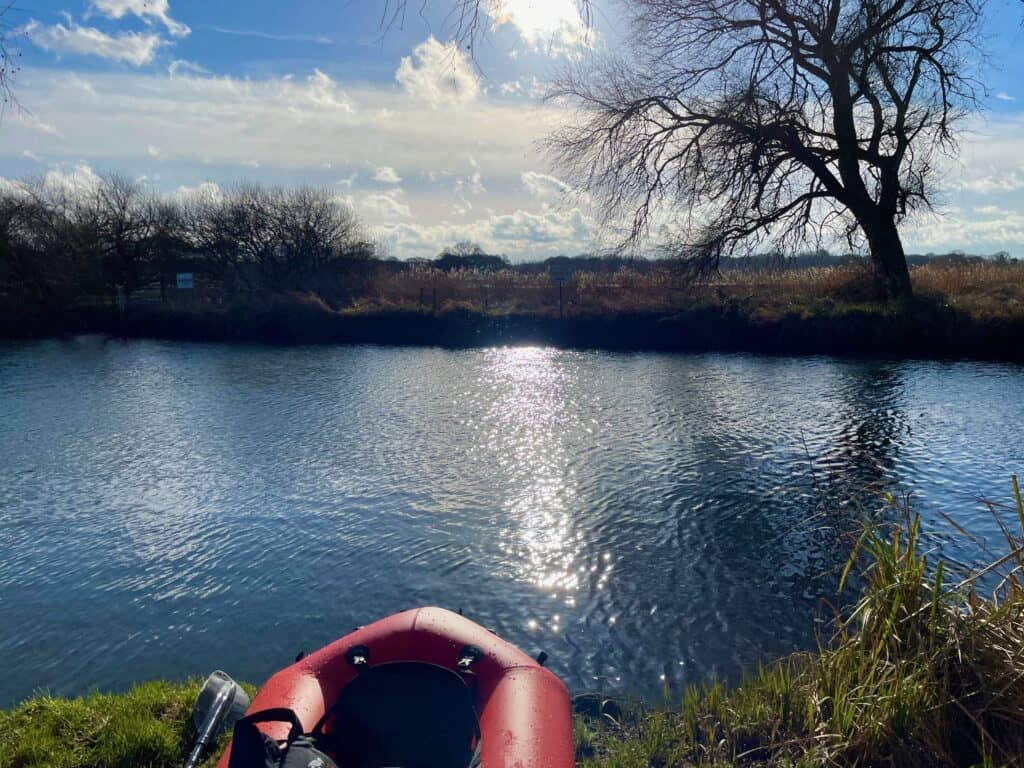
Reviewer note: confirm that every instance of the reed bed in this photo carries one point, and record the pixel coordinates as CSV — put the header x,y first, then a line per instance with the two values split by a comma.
x,y
985,290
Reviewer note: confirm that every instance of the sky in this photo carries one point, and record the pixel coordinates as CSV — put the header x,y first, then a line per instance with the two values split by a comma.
x,y
432,144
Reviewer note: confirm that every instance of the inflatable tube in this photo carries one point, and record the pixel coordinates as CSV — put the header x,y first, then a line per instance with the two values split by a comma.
x,y
523,710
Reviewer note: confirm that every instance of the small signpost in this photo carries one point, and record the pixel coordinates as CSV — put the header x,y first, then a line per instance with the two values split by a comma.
x,y
186,281
560,275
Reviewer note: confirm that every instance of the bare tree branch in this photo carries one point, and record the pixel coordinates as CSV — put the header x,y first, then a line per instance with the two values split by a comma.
x,y
731,122
9,60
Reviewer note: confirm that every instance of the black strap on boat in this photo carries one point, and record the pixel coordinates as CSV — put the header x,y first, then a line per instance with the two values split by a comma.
x,y
250,747
275,715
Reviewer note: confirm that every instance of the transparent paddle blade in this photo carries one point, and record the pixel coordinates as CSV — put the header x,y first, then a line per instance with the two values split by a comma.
x,y
224,695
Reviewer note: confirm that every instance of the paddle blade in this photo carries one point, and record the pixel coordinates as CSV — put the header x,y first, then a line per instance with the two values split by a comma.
x,y
224,695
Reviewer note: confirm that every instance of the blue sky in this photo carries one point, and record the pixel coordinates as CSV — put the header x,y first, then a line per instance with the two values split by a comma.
x,y
429,146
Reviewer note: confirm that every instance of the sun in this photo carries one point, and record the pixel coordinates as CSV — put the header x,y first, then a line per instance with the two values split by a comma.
x,y
543,22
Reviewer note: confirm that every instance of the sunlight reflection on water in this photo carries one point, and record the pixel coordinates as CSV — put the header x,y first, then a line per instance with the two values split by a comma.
x,y
530,415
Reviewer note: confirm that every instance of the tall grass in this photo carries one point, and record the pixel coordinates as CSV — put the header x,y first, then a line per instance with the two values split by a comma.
x,y
926,669
983,290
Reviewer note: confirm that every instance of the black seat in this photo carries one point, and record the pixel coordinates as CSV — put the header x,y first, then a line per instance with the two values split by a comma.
x,y
407,715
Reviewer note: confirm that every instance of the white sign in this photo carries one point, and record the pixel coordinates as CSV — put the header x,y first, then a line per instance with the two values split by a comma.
x,y
186,280
560,273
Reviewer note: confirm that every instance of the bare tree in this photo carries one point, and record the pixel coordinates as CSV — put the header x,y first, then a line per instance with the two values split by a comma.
x,y
736,121
125,216
48,244
313,231
274,239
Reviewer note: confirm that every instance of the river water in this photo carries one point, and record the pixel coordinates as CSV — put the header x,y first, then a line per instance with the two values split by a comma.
x,y
648,520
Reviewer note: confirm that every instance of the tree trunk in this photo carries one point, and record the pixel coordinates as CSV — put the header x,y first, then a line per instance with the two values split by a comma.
x,y
888,261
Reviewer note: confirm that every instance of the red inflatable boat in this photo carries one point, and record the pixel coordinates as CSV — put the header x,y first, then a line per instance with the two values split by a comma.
x,y
416,688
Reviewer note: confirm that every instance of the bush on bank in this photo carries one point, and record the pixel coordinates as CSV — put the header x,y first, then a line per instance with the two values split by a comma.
x,y
925,669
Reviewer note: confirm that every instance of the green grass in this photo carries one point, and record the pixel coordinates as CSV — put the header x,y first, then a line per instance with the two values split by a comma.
x,y
925,669
147,727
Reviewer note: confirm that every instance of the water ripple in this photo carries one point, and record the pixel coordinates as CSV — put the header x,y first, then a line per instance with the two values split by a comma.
x,y
647,519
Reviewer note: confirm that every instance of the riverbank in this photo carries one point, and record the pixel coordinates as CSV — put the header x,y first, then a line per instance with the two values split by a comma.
x,y
920,328
925,669
972,310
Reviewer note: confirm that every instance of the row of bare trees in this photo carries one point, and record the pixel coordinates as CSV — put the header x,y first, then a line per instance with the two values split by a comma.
x,y
62,241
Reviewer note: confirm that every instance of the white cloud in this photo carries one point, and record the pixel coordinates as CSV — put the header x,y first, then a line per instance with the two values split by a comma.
x,y
990,210
81,84
77,179
323,92
382,206
35,123
211,125
996,180
130,47
30,155
470,185
147,10
318,39
13,187
386,175
226,121
1004,96
531,86
153,151
521,233
206,190
438,74
544,187
184,67
995,231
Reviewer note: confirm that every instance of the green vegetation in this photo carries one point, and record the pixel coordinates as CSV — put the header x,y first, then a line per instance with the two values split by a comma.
x,y
148,727
925,669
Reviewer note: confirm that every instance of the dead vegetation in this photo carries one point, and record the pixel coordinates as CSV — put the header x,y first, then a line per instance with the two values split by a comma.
x,y
984,290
